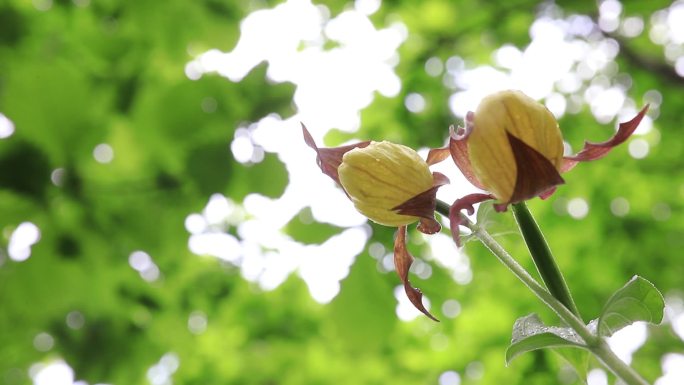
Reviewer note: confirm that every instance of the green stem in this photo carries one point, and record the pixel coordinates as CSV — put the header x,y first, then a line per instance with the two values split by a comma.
x,y
621,370
542,257
540,291
443,208
595,344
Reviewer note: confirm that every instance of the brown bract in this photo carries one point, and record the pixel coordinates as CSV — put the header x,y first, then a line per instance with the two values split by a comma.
x,y
329,159
535,175
423,205
466,203
402,263
594,151
458,149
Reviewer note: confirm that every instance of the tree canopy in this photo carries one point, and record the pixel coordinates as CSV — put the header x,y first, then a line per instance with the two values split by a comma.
x,y
164,222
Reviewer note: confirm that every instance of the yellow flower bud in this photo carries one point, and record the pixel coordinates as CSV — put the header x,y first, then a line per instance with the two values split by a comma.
x,y
382,176
512,113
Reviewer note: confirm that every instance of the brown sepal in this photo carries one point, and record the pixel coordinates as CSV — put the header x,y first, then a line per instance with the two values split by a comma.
x,y
535,174
465,203
402,262
423,205
329,159
458,148
593,151
436,155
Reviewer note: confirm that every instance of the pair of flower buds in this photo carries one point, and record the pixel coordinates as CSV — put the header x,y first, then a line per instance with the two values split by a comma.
x,y
511,147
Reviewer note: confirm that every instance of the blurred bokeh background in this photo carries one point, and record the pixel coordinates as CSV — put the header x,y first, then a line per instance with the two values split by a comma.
x,y
162,221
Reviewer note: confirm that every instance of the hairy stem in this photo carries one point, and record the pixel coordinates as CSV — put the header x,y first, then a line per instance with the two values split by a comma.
x,y
595,344
540,291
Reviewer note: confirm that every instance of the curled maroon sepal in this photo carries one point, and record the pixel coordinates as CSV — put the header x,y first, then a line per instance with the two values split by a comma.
x,y
535,173
465,203
458,148
593,151
423,205
402,262
329,159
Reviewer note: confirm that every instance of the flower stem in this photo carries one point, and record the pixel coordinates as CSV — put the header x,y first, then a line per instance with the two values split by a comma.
x,y
542,257
442,208
611,361
595,344
540,291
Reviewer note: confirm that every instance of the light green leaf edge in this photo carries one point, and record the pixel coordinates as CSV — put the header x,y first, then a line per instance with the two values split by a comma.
x,y
530,333
638,300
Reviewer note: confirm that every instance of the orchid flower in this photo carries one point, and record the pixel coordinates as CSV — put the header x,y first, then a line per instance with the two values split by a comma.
x,y
391,185
511,147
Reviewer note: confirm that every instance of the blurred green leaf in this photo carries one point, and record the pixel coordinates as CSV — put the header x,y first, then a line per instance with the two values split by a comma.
x,y
303,228
211,167
25,170
268,177
638,300
363,312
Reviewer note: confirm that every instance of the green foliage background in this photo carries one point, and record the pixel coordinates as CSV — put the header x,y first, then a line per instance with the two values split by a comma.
x,y
113,72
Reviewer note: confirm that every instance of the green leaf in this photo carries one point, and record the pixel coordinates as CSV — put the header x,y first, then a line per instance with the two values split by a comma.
x,y
638,300
530,333
578,359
